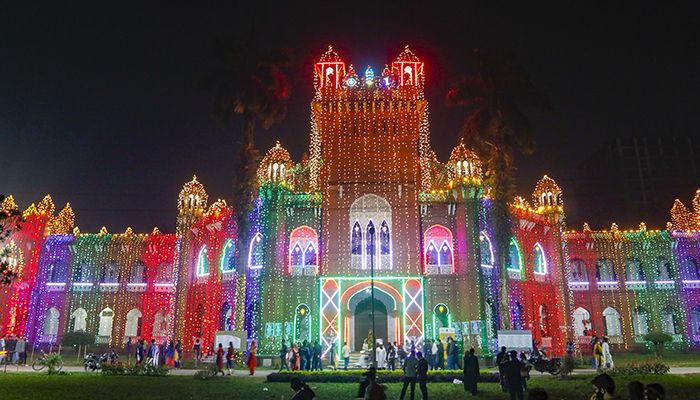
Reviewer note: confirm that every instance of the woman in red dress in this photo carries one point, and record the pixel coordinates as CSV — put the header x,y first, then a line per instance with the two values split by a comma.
x,y
220,359
253,357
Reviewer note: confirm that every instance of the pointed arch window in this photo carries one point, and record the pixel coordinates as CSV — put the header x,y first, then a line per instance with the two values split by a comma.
x,y
640,321
79,320
81,273
485,250
138,273
384,239
56,274
106,322
438,255
577,270
689,269
611,317
133,324
671,321
109,272
303,253
664,270
371,244
514,261
203,261
605,271
256,252
228,260
582,321
540,260
51,318
365,212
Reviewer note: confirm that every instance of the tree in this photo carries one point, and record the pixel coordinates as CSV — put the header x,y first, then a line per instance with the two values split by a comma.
x,y
657,340
497,128
250,82
10,221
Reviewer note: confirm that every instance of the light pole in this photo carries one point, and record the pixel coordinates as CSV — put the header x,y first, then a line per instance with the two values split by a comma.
x,y
371,271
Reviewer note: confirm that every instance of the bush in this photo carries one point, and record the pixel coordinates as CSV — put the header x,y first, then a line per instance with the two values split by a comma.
x,y
383,376
568,365
136,370
54,363
79,338
209,372
658,339
642,368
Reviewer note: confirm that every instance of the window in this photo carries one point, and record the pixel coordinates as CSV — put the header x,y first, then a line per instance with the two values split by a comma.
x,y
138,273
256,252
109,272
303,256
689,269
79,320
81,273
640,321
51,322
671,321
514,260
582,321
203,262
226,323
164,273
228,260
106,320
664,270
612,322
577,269
605,271
634,271
694,320
485,250
55,274
366,212
160,325
302,323
438,250
133,324
517,316
540,260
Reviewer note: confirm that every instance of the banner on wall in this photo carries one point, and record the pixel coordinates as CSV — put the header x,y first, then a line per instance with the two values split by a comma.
x,y
444,333
238,338
519,340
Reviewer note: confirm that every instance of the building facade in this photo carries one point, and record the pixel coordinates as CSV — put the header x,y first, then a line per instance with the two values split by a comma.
x,y
372,203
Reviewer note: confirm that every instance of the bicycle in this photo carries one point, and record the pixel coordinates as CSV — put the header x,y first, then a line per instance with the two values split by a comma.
x,y
40,363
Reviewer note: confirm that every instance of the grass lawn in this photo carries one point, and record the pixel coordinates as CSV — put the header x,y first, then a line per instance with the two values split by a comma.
x,y
88,386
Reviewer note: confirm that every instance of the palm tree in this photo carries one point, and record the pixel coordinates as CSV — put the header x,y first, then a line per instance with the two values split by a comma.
x,y
249,82
497,128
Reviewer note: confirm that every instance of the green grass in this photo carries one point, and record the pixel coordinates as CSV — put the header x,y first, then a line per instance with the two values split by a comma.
x,y
87,386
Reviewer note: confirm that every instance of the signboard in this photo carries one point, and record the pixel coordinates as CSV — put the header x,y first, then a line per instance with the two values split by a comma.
x,y
519,340
238,338
444,333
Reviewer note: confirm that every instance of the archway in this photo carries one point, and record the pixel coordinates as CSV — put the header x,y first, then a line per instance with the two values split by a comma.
x,y
363,320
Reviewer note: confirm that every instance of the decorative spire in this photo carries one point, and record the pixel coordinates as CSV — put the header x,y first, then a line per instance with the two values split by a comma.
x,y
547,195
642,227
63,222
192,195
8,204
155,231
275,165
76,231
129,231
103,231
46,206
586,228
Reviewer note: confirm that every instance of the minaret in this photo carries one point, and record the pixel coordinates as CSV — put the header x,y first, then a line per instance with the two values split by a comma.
x,y
191,205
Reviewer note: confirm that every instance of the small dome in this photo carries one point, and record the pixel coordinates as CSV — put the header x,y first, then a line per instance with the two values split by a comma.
x,y
407,56
547,194
192,195
464,164
330,56
275,165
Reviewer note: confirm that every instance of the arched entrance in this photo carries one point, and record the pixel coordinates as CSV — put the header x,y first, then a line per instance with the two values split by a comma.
x,y
363,321
387,323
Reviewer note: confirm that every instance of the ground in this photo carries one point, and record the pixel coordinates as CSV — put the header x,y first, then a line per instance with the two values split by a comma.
x,y
94,386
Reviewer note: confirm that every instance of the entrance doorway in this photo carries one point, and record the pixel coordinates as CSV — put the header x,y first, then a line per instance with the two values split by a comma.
x,y
363,321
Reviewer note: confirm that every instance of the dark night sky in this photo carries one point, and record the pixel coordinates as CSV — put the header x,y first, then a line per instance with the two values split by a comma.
x,y
100,106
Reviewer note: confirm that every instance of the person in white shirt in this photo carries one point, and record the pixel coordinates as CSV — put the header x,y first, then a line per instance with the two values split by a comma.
x,y
381,357
607,356
346,354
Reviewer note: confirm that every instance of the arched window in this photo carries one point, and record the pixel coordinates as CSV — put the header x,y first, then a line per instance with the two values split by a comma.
x,y
106,321
514,260
81,273
671,321
138,273
689,269
485,250
640,321
540,260
256,252
605,271
203,261
79,320
577,269
438,250
160,325
582,321
303,259
226,318
441,317
634,271
664,270
517,316
612,322
109,272
694,321
302,323
164,273
544,321
228,259
133,324
56,274
51,322
367,211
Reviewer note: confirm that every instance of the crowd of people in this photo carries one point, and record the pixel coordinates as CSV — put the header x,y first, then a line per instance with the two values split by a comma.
x,y
13,349
305,356
167,353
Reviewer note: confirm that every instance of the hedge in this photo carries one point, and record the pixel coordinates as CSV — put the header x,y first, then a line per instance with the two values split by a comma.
x,y
354,376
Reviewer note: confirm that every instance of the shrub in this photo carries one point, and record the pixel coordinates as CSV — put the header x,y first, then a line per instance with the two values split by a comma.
x,y
568,365
383,376
642,368
78,338
209,372
136,370
658,339
54,363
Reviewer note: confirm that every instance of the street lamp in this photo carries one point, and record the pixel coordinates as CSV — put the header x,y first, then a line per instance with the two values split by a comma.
x,y
371,269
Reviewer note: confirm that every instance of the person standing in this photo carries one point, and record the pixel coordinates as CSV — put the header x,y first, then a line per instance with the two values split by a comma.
x,y
598,355
346,354
178,353
220,360
253,357
296,357
331,358
471,372
318,352
283,356
514,380
21,349
229,358
440,356
422,375
410,371
153,353
170,355
140,351
381,357
304,358
391,357
197,349
451,354
2,348
501,359
607,356
428,353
